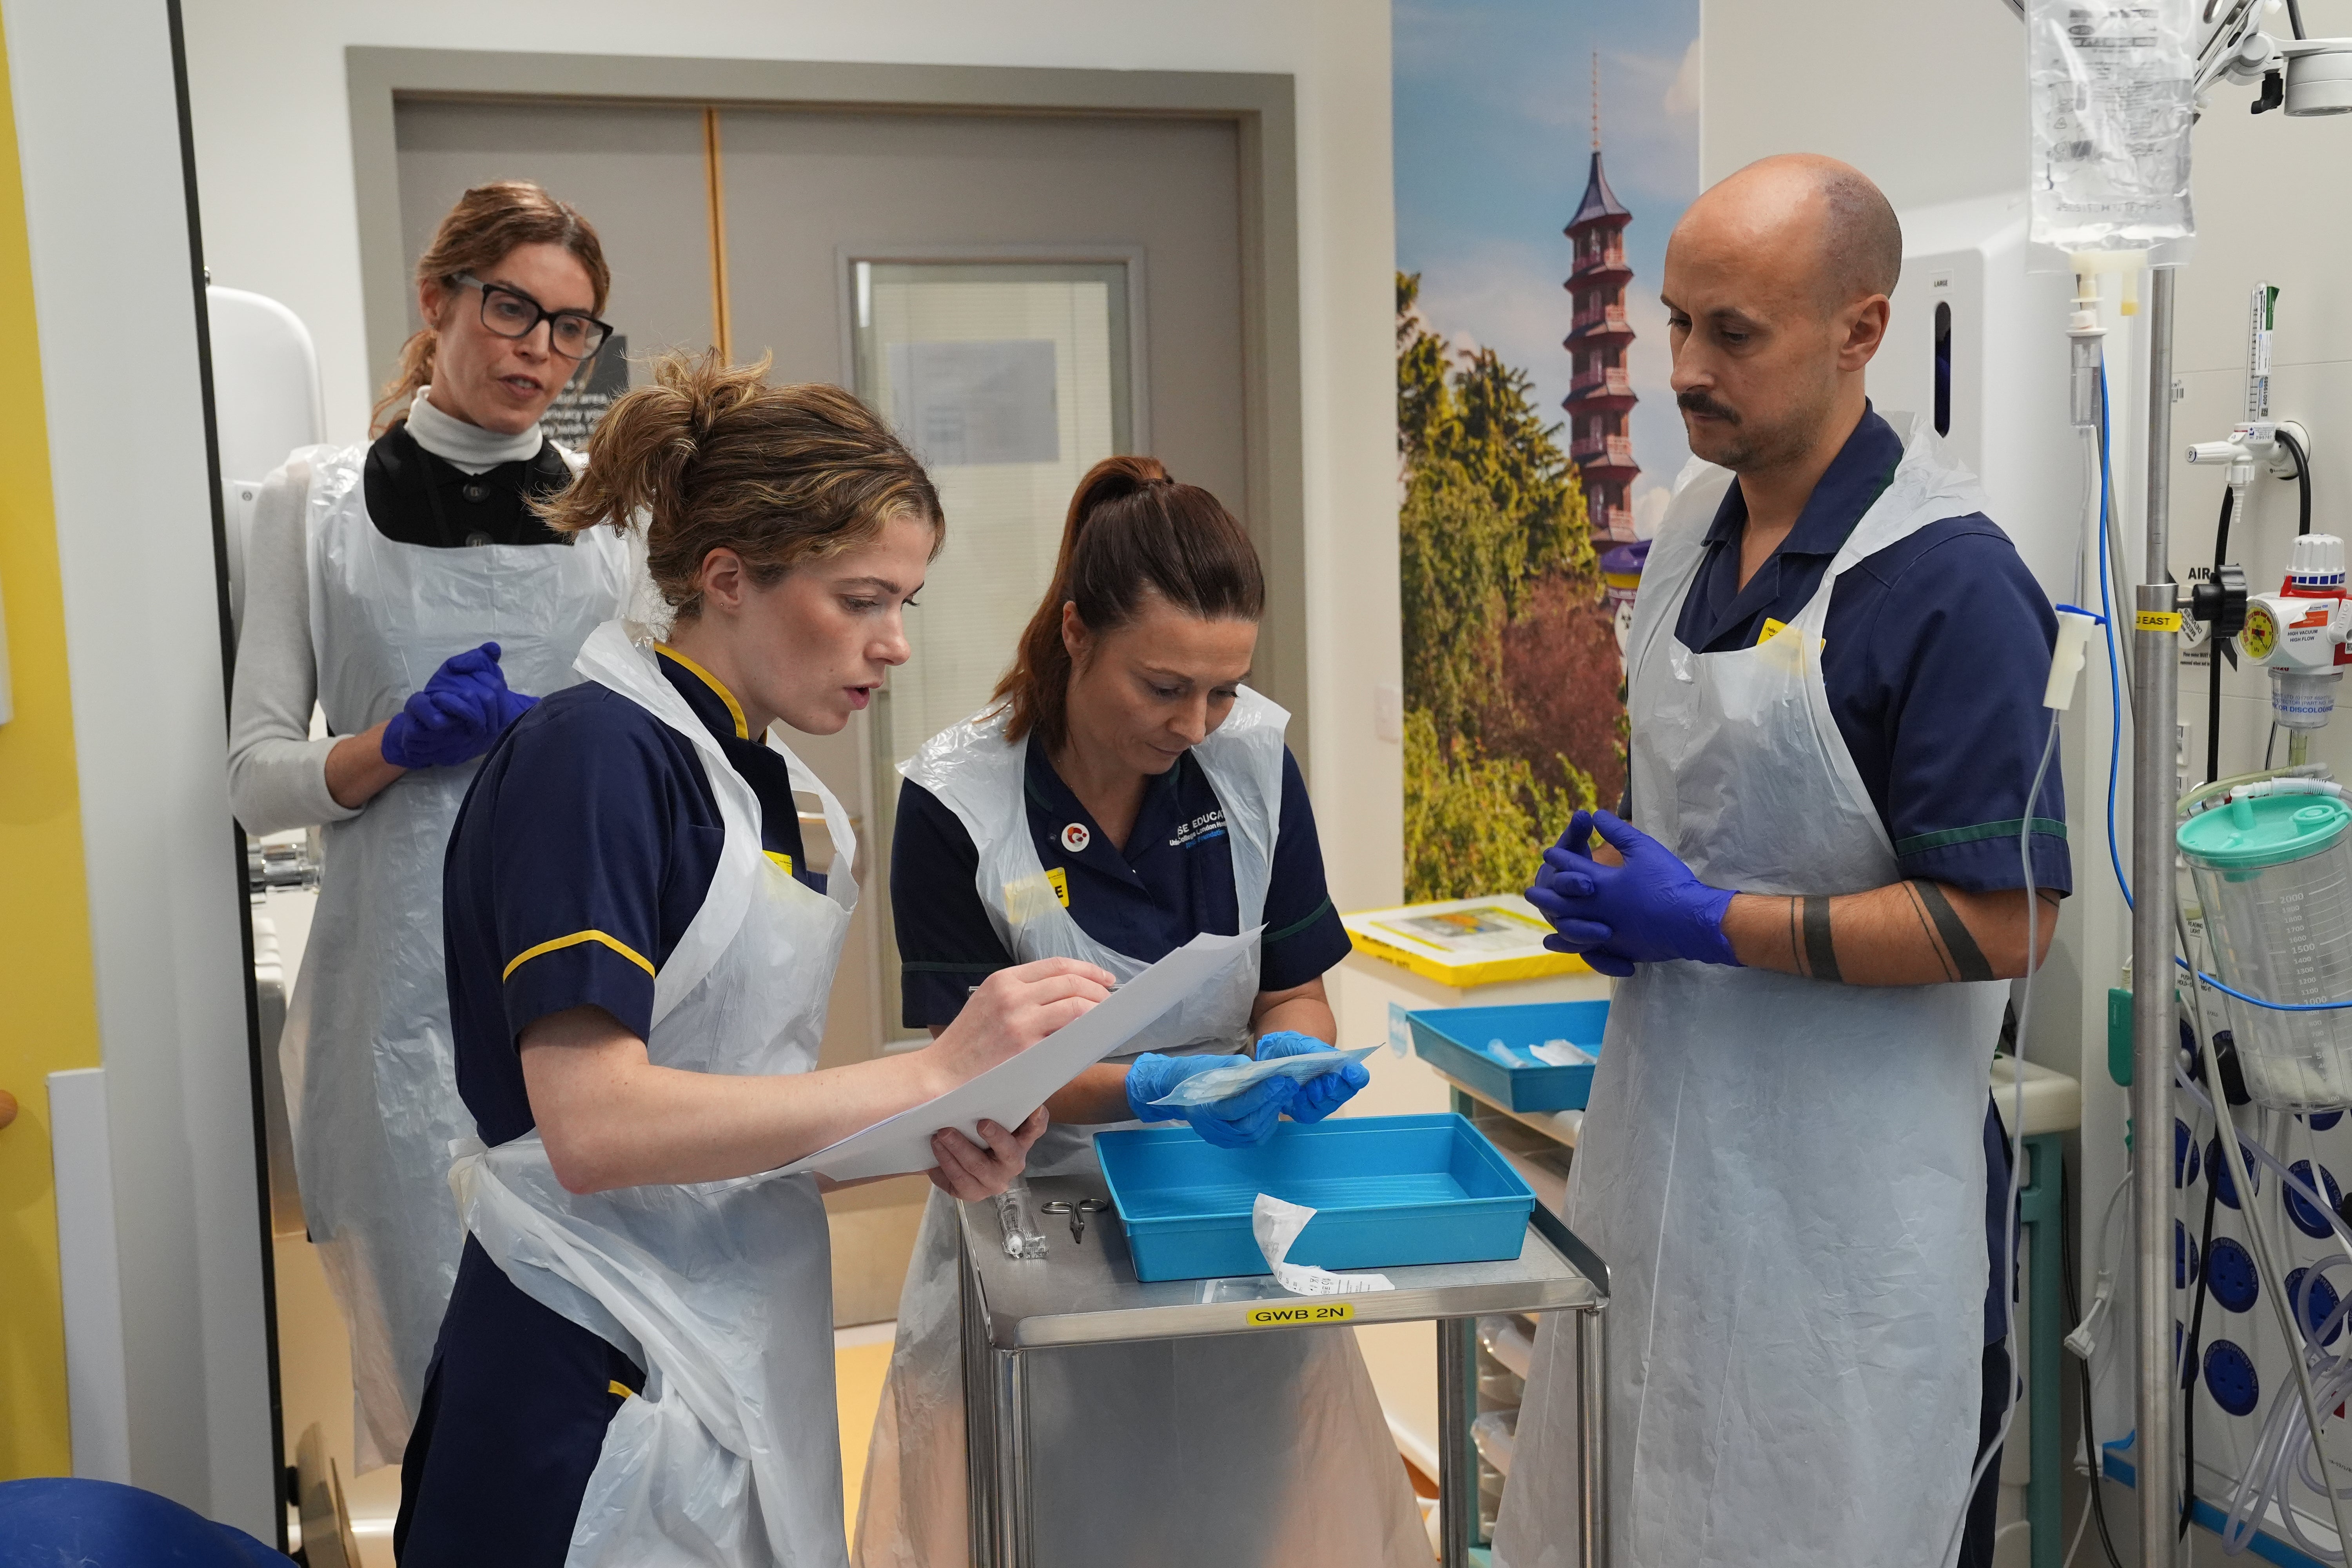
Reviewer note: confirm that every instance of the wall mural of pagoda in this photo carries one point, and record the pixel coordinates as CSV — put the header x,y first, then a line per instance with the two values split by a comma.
x,y
1532,368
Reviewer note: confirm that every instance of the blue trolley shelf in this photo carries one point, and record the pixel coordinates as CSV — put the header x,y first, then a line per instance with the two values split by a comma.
x,y
1454,1040
1390,1191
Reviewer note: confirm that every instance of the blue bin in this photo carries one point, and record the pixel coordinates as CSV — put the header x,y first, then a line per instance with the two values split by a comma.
x,y
1453,1041
1390,1191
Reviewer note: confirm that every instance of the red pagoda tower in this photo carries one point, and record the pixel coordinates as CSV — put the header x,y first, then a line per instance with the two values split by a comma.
x,y
1601,393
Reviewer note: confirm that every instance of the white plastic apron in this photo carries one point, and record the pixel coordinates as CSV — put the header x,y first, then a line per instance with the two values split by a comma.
x,y
1235,1451
1785,1177
721,1291
365,1051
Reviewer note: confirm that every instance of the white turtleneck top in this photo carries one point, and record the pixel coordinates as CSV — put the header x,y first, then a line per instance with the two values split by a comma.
x,y
467,446
276,771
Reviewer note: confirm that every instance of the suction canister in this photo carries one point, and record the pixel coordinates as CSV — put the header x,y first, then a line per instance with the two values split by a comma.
x,y
2274,874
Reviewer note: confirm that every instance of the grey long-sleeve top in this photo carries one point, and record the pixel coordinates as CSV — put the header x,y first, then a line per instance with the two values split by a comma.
x,y
277,774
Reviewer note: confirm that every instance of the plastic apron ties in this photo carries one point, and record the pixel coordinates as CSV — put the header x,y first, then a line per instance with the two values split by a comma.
x,y
1257,1451
1787,1176
369,1068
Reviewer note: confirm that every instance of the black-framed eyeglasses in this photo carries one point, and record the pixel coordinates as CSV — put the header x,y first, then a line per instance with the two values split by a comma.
x,y
511,313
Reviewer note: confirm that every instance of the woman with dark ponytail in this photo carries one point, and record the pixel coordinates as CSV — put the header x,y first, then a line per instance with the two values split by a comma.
x,y
636,1366
407,589
1124,792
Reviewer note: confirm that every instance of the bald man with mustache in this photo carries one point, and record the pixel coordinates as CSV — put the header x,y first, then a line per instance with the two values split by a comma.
x,y
1836,860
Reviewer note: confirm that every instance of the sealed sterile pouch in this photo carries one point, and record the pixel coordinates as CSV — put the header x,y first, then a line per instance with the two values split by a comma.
x,y
2111,89
1223,1083
1276,1224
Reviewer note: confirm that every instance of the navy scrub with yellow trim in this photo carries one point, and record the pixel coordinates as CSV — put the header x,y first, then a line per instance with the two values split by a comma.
x,y
582,852
1172,881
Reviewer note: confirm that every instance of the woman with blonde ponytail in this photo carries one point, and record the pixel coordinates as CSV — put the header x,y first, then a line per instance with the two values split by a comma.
x,y
636,1366
407,589
1124,792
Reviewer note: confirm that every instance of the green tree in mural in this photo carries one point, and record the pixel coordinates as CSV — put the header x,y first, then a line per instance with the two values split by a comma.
x,y
1476,823
1492,522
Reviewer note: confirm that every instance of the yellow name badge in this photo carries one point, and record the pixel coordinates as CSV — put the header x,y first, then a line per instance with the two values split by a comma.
x,y
1290,1317
2157,621
1061,881
1773,629
783,861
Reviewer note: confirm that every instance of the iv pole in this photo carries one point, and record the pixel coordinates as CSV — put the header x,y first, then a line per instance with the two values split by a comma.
x,y
2155,1032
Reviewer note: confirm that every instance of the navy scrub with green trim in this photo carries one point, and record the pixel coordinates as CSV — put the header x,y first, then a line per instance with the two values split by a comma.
x,y
1934,654
1172,881
583,852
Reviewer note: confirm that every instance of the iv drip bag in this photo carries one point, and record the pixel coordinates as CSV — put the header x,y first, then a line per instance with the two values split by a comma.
x,y
2111,97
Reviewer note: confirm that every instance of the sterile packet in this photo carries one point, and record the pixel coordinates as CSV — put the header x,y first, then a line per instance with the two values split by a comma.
x,y
1561,1054
1223,1083
1276,1224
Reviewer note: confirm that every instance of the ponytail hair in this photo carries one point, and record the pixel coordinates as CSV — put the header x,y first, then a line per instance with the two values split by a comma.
x,y
487,223
709,456
1132,532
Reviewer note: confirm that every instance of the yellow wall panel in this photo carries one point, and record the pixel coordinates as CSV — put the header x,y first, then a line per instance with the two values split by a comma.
x,y
47,997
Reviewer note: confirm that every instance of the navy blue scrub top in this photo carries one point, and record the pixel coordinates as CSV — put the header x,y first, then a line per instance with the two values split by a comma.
x,y
1935,655
581,852
1173,881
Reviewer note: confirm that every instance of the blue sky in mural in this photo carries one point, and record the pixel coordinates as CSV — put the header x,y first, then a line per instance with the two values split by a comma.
x,y
1494,108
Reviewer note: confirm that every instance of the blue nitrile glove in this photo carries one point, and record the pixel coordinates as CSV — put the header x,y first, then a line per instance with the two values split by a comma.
x,y
1589,939
456,716
1317,1097
1652,909
1247,1118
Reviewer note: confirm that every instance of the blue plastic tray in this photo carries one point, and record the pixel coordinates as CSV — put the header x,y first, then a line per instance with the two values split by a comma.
x,y
1454,1040
1390,1191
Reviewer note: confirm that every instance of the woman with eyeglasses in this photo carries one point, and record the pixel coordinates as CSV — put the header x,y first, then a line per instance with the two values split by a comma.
x,y
409,590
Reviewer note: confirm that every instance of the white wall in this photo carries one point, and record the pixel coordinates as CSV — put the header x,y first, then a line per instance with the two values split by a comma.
x,y
274,162
114,295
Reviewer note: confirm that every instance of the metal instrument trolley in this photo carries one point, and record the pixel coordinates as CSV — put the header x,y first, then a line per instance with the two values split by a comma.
x,y
1087,1294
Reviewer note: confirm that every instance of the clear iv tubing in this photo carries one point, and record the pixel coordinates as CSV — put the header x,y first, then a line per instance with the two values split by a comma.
x,y
2016,1130
2230,1139
2016,1127
2115,734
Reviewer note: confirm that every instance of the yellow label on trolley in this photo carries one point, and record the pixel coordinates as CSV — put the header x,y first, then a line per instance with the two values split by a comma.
x,y
1290,1317
2157,621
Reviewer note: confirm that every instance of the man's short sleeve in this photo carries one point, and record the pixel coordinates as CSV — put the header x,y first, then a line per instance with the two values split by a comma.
x,y
1957,653
1303,933
947,943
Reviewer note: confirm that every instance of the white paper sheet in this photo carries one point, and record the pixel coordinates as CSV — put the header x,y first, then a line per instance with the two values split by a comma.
x,y
1007,1092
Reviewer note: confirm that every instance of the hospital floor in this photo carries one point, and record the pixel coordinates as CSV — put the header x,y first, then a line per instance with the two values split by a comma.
x,y
314,1357
861,1358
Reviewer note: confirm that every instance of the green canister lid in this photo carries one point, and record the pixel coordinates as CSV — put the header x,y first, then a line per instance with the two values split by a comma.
x,y
2264,830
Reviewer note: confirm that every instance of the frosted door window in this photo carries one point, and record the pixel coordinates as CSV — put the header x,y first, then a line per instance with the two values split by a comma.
x,y
1010,380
